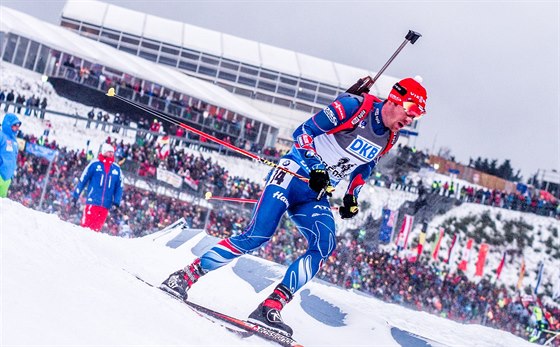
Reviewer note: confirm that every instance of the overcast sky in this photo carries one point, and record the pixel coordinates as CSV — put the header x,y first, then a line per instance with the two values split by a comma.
x,y
491,68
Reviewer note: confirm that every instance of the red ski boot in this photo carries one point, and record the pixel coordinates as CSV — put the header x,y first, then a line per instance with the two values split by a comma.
x,y
179,282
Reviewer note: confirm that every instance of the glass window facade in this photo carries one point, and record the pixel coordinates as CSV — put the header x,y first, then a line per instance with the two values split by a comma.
x,y
236,76
31,55
9,48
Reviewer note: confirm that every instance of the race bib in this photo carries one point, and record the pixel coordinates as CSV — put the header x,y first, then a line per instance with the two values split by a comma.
x,y
282,178
363,148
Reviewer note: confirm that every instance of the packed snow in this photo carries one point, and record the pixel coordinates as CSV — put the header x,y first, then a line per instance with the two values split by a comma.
x,y
65,285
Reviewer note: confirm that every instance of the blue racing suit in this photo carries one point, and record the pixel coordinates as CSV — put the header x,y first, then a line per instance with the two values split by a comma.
x,y
346,138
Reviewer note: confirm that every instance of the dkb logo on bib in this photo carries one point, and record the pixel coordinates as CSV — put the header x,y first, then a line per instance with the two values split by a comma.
x,y
364,148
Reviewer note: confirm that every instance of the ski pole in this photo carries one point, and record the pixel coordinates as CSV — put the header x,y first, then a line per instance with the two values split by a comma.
x,y
111,93
241,200
209,196
170,228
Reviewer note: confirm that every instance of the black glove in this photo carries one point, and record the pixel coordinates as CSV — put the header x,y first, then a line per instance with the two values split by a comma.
x,y
74,201
318,179
349,207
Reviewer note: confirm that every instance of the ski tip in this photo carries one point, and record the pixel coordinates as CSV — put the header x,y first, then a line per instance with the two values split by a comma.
x,y
111,92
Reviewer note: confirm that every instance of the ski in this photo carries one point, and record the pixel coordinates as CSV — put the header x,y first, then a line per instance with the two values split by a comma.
x,y
179,222
230,323
265,333
240,331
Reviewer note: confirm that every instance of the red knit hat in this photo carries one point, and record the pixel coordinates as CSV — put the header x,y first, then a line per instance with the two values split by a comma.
x,y
410,94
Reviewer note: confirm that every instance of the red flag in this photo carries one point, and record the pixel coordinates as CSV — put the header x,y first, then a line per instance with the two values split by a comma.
x,y
450,252
438,243
402,238
501,266
163,145
481,259
466,256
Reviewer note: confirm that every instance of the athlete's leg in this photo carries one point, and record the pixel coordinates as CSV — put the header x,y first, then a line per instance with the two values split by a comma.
x,y
316,222
272,204
266,215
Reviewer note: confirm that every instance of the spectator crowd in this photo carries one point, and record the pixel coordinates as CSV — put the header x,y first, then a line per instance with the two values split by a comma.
x,y
419,286
142,211
530,201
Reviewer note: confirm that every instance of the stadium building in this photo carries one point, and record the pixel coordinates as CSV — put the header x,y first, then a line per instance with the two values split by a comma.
x,y
84,70
285,84
260,92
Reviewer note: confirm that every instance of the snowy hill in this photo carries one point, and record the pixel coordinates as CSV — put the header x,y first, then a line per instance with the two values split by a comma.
x,y
525,236
64,285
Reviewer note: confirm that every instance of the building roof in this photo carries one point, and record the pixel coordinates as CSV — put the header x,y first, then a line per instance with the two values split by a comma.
x,y
55,37
222,44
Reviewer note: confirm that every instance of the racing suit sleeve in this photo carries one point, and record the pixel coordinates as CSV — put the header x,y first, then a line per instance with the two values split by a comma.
x,y
358,178
332,116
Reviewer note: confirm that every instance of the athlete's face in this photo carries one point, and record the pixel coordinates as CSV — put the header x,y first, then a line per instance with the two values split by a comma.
x,y
395,117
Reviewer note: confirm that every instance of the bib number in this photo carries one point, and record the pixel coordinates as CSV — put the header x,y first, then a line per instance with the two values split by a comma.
x,y
280,177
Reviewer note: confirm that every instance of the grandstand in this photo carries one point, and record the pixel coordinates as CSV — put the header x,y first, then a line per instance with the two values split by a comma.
x,y
262,92
73,63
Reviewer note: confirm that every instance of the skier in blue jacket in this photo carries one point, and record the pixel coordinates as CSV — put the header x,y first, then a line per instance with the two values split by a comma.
x,y
346,139
104,183
8,152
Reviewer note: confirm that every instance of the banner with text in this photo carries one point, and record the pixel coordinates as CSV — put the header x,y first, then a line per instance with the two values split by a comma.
x,y
169,177
41,151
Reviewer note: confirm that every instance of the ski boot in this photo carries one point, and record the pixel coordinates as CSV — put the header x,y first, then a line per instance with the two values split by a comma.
x,y
179,282
267,313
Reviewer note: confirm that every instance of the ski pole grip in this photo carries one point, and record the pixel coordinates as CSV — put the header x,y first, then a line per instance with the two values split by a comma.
x,y
412,36
321,193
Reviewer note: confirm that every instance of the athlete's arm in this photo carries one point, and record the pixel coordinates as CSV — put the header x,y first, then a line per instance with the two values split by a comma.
x,y
359,177
332,116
